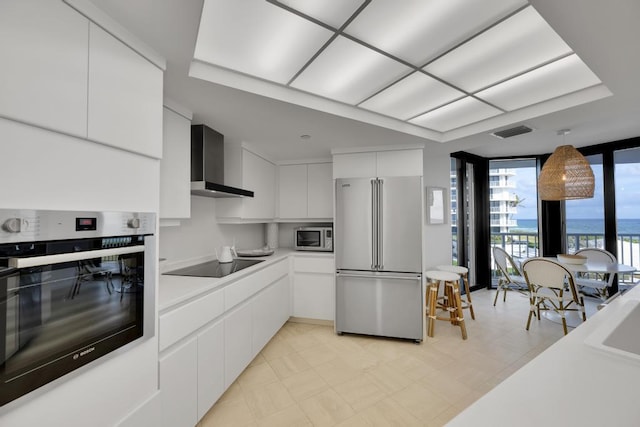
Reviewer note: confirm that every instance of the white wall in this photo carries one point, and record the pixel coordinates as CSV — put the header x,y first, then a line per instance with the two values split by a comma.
x,y
199,236
45,170
437,237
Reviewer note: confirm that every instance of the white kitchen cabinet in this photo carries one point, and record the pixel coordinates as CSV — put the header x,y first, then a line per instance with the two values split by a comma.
x,y
259,175
125,96
249,171
270,312
380,164
314,287
305,191
237,342
43,77
175,167
292,185
179,385
320,190
210,366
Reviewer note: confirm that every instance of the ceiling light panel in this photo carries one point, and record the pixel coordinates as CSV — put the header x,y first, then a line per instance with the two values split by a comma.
x,y
257,38
514,46
411,96
418,30
561,77
459,113
349,72
332,12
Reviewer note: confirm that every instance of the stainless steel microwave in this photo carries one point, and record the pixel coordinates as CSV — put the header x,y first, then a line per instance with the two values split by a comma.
x,y
314,239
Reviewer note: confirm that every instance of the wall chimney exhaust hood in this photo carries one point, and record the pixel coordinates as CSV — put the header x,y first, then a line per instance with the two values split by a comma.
x,y
207,165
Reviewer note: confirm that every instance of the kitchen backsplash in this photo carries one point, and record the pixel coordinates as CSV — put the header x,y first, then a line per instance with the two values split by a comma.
x,y
200,235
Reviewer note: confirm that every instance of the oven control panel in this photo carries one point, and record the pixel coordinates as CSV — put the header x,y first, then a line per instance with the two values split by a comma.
x,y
19,225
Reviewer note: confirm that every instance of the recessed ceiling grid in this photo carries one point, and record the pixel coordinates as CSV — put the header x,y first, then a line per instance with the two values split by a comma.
x,y
490,58
415,68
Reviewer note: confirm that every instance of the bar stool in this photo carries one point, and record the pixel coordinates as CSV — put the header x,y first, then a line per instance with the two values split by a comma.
x,y
464,273
451,301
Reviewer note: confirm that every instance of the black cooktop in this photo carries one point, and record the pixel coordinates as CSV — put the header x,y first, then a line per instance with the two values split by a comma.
x,y
214,268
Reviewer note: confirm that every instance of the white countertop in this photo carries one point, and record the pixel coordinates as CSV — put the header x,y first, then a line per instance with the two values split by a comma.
x,y
177,289
569,384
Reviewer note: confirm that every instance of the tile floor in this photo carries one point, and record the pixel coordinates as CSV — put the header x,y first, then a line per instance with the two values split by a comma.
x,y
309,376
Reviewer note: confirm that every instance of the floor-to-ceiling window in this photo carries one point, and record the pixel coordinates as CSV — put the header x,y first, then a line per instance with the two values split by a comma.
x,y
469,221
513,208
584,218
627,190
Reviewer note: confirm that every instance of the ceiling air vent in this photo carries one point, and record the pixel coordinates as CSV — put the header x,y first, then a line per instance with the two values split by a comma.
x,y
508,133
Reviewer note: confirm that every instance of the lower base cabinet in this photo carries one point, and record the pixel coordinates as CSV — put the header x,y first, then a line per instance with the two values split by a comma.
x,y
178,385
270,311
196,368
192,377
210,367
314,288
237,342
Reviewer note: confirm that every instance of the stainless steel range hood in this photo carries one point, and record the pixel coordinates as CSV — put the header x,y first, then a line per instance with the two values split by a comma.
x,y
207,165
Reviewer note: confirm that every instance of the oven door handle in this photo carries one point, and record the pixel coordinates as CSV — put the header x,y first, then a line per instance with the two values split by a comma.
x,y
38,261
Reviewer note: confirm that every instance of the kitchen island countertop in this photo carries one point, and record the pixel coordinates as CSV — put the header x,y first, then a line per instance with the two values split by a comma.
x,y
569,384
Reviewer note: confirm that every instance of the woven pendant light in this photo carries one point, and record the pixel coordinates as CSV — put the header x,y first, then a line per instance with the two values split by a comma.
x,y
566,175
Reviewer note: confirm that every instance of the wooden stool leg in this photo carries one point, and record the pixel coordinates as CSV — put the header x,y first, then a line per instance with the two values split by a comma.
x,y
433,296
467,291
450,302
458,305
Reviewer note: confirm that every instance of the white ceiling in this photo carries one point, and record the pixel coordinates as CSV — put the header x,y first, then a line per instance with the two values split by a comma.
x,y
602,34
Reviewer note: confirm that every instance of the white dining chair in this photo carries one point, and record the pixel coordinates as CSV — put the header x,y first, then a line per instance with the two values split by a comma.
x,y
511,277
599,283
551,287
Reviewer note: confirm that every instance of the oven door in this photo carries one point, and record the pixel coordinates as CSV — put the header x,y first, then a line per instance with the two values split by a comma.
x,y
61,311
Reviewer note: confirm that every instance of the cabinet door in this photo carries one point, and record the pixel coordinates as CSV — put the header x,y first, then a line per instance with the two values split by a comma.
x,y
354,165
210,367
399,163
259,176
179,385
237,342
175,167
125,96
320,185
43,77
314,296
270,311
293,191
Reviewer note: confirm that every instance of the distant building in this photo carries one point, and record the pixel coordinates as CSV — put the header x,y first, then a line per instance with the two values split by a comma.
x,y
502,200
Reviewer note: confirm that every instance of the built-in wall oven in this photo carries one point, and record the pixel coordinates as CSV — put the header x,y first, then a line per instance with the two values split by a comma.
x,y
74,286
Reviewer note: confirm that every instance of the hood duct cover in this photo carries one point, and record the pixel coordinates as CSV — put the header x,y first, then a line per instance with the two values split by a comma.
x,y
207,165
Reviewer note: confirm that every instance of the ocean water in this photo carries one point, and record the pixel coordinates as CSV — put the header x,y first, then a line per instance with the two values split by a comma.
x,y
584,226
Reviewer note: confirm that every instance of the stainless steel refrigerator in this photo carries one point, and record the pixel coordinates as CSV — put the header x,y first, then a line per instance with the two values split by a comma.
x,y
378,246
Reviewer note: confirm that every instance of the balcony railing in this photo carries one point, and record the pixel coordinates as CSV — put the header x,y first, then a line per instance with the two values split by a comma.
x,y
526,245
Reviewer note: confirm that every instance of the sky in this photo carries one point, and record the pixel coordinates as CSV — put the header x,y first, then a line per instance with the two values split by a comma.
x,y
627,194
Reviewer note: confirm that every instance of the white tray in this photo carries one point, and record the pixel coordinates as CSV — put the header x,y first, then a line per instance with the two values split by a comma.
x,y
254,252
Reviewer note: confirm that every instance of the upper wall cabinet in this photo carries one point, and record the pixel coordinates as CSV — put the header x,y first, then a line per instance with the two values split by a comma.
x,y
249,171
175,167
62,72
43,77
305,191
379,163
125,96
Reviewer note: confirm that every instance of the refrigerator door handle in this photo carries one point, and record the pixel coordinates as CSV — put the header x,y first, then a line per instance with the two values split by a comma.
x,y
374,226
369,276
380,225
